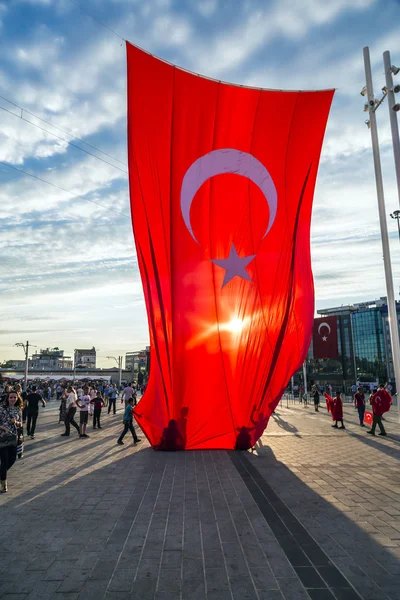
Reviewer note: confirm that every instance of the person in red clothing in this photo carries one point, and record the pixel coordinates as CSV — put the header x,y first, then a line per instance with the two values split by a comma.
x,y
359,403
337,411
380,402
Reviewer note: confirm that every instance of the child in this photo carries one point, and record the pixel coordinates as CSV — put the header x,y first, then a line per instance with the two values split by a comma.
x,y
337,411
98,403
83,403
128,424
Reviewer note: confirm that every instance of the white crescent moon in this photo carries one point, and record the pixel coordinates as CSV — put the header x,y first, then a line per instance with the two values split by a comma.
x,y
227,160
324,325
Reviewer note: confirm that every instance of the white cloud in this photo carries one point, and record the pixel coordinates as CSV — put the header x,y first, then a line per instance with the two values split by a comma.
x,y
206,8
69,269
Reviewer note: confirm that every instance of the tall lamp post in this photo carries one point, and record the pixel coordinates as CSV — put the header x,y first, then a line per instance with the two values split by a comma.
x,y
371,107
396,215
26,350
119,363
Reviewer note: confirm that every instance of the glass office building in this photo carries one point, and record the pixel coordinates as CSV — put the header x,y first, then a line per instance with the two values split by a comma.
x,y
365,353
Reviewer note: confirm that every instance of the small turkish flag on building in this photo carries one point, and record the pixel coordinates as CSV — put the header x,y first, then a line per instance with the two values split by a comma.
x,y
325,339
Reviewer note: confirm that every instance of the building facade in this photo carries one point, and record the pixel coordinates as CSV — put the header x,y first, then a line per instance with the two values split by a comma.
x,y
364,346
85,359
138,361
50,359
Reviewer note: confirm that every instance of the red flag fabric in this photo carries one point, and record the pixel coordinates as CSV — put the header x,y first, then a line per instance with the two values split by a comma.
x,y
368,417
325,338
221,184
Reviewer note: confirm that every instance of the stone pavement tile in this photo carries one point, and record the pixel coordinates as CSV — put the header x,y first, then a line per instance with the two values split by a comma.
x,y
170,580
122,580
269,595
93,590
44,589
193,568
263,578
292,589
58,570
193,589
216,580
171,559
22,584
321,594
42,562
160,595
243,588
103,568
144,588
219,595
15,596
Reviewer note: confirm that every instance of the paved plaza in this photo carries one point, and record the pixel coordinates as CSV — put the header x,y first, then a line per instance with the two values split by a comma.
x,y
312,512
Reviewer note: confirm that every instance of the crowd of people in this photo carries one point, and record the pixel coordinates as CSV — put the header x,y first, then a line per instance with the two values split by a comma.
x,y
19,411
380,401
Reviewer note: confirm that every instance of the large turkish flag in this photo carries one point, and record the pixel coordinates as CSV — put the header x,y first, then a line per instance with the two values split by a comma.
x,y
221,184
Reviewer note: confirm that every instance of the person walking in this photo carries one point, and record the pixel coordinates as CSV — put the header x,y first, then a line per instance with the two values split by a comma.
x,y
98,403
315,395
380,402
128,424
83,403
32,411
112,395
337,411
10,422
359,403
70,410
127,394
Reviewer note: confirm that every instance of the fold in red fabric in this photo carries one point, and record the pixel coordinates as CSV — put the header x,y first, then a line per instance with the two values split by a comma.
x,y
221,184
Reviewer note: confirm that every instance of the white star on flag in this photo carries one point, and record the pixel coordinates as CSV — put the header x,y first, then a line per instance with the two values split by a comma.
x,y
234,265
324,338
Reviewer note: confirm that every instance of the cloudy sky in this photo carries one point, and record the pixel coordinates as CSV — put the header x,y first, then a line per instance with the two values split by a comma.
x,y
69,275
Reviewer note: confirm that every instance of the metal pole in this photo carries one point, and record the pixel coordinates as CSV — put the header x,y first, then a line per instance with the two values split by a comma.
x,y
393,117
305,376
120,370
26,365
354,349
394,332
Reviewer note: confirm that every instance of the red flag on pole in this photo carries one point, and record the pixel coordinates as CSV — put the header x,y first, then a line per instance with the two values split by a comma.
x,y
221,182
325,338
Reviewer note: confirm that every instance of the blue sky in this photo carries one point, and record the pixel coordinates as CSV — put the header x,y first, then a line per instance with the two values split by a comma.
x,y
69,273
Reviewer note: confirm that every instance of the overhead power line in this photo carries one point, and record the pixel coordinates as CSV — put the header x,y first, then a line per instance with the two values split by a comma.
x,y
58,136
97,20
61,188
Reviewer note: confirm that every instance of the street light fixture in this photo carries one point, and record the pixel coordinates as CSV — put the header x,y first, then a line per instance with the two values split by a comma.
x,y
396,215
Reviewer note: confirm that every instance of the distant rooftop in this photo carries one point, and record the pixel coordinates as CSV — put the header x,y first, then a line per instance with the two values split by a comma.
x,y
346,308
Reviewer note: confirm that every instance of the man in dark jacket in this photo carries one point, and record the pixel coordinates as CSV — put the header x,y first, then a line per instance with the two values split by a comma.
x,y
32,411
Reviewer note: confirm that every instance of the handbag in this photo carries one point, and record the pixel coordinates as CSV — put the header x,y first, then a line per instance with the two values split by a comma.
x,y
8,440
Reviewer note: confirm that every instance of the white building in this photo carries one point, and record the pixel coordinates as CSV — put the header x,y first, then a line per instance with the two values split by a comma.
x,y
85,359
50,359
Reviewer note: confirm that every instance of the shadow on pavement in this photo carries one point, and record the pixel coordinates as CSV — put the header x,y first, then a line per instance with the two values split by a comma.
x,y
315,535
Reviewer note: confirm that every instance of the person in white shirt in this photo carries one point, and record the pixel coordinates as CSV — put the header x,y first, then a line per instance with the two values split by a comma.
x,y
83,404
127,394
70,407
